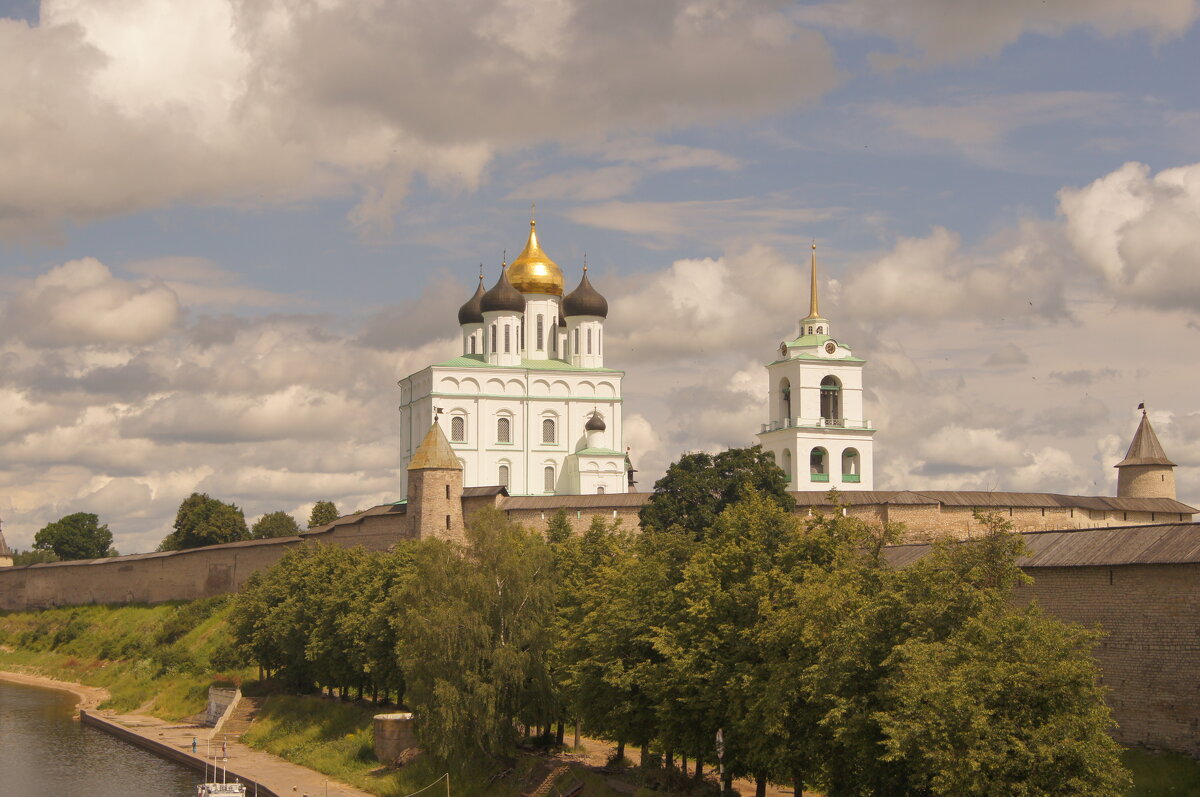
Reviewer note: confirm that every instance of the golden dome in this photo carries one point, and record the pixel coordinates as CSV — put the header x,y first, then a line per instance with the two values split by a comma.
x,y
533,271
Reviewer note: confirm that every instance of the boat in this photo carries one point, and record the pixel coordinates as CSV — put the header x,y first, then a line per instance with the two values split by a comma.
x,y
221,790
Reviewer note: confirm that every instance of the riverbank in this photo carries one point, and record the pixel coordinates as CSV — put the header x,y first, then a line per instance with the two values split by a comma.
x,y
90,697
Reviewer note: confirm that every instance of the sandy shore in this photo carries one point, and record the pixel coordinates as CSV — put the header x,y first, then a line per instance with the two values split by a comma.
x,y
89,696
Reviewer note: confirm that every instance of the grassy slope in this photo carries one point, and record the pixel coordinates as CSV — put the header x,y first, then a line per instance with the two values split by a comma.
x,y
157,659
162,659
337,739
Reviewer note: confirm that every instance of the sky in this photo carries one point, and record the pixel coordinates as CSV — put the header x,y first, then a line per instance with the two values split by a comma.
x,y
228,227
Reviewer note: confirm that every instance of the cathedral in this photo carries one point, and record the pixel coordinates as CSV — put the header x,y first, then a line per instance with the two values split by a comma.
x,y
528,405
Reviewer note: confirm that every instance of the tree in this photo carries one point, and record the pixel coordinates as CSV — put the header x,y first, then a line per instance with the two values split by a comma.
x,y
1008,703
697,488
32,557
274,524
323,513
204,521
473,632
77,536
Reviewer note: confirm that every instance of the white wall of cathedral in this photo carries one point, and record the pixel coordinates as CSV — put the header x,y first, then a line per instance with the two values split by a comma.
x,y
493,407
816,460
541,326
602,475
585,341
795,389
472,335
502,338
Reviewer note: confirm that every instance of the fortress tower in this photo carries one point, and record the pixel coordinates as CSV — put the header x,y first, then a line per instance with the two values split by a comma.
x,y
6,555
816,428
435,485
1145,472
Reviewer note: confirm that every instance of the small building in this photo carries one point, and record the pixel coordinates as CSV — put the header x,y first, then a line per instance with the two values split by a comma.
x,y
6,554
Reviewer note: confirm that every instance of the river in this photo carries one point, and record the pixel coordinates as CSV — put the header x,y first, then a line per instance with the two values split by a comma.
x,y
45,753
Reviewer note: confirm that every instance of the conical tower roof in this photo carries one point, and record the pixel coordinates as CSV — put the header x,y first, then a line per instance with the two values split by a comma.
x,y
435,452
1145,448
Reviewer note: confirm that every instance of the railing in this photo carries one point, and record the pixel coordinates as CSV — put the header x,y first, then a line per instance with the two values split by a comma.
x,y
815,423
819,477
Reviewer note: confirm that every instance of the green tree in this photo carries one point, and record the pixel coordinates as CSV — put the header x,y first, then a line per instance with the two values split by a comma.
x,y
204,521
77,536
33,557
323,513
473,633
697,488
1008,703
274,524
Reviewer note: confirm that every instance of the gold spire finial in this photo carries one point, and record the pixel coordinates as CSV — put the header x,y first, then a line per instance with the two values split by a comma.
x,y
585,262
532,213
481,272
814,310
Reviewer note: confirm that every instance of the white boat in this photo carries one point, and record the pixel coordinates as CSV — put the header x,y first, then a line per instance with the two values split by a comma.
x,y
221,790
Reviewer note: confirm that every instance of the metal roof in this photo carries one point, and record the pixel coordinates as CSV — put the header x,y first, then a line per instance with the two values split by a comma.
x,y
984,499
603,501
1145,448
476,492
1164,543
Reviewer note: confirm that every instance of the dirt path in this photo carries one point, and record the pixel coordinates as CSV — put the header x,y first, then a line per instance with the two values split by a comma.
x,y
90,697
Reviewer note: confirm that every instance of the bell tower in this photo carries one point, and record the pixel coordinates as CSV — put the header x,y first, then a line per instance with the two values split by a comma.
x,y
815,427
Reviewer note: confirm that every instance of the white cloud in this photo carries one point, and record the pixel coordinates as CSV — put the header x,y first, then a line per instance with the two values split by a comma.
x,y
1140,233
125,105
661,223
968,29
82,303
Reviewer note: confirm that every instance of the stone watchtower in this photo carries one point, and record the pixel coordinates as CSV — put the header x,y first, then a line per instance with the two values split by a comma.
x,y
435,487
1145,472
6,555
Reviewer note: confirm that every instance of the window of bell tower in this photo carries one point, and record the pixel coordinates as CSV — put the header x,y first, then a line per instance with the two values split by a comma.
x,y
831,401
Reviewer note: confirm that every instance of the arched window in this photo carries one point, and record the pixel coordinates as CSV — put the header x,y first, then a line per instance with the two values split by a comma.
x,y
850,465
820,330
541,333
831,401
507,338
600,490
503,476
785,399
472,344
503,430
458,429
818,465
548,430
548,478
577,340
521,335
493,337
787,465
589,341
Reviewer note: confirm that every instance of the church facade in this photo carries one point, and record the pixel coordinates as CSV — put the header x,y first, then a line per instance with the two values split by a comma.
x,y
528,405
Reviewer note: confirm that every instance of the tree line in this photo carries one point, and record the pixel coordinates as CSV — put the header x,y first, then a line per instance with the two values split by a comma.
x,y
819,663
199,521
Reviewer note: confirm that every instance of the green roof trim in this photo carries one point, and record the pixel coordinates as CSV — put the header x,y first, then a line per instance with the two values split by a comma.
x,y
478,361
809,340
598,452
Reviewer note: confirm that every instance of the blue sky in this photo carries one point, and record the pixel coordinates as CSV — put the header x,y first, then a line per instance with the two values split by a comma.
x,y
266,213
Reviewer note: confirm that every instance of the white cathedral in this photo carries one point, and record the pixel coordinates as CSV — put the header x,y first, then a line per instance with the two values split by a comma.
x,y
529,405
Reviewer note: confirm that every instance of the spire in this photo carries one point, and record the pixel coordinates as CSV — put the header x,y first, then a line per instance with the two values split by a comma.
x,y
1145,448
814,310
435,452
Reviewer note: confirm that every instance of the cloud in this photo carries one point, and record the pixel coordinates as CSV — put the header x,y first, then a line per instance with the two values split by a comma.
x,y
82,303
1139,233
198,281
1008,354
121,106
930,31
932,277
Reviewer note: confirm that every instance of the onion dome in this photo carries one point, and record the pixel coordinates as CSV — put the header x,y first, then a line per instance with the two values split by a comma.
x,y
533,271
472,311
585,300
503,297
595,423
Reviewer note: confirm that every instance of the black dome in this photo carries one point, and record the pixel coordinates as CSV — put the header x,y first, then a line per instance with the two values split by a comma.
x,y
585,300
503,297
595,423
472,311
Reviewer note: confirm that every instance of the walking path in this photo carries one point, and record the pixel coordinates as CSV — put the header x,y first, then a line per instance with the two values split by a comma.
x,y
271,774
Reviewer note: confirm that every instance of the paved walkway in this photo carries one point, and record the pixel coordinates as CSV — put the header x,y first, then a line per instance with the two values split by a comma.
x,y
253,766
